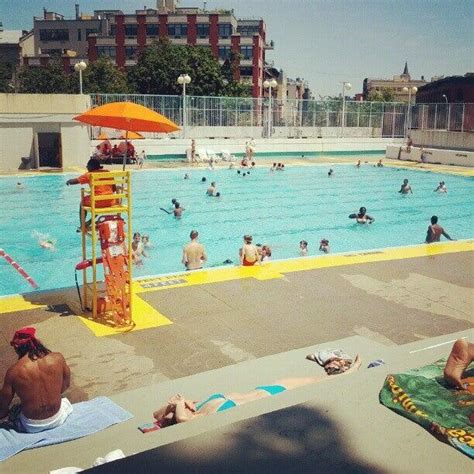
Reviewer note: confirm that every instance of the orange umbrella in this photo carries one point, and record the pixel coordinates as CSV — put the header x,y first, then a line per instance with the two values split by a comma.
x,y
131,136
127,116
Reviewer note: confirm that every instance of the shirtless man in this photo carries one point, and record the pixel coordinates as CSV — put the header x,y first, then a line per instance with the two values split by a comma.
x,y
462,354
211,190
194,254
178,210
38,378
405,188
441,188
249,255
435,231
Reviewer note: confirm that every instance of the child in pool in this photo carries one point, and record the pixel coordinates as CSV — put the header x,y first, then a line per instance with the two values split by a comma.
x,y
324,246
303,248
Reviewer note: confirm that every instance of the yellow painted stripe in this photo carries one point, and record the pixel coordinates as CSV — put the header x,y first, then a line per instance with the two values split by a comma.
x,y
277,269
144,317
10,304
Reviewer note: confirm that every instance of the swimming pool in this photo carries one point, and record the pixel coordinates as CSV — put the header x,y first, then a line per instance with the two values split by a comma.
x,y
278,209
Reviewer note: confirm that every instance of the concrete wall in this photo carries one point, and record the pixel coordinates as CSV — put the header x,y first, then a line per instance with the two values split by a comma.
x,y
432,155
177,147
22,116
444,139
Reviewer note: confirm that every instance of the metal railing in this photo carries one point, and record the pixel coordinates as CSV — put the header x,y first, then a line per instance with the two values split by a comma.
x,y
304,117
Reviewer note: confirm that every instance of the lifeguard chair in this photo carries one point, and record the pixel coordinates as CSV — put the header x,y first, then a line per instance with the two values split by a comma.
x,y
110,236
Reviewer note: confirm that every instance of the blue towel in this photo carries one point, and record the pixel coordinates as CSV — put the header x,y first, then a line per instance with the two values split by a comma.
x,y
86,418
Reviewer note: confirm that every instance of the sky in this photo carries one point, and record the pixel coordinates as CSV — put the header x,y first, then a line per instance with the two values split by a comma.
x,y
327,42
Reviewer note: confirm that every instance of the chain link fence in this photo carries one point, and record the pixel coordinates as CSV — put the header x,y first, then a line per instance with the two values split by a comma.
x,y
303,117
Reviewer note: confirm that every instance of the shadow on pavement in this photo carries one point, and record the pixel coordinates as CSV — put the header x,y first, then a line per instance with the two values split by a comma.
x,y
296,439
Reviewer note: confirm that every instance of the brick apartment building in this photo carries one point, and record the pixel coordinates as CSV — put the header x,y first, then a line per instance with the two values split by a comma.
x,y
121,36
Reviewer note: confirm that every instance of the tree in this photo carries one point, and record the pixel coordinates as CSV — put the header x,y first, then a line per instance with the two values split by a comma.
x,y
5,77
49,79
102,77
160,64
384,95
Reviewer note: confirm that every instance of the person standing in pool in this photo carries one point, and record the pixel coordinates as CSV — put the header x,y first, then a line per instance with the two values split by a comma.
x,y
441,188
435,231
178,210
194,253
405,188
362,217
211,190
248,253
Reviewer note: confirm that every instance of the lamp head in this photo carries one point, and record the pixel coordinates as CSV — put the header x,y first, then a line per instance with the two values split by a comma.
x,y
266,84
80,66
273,83
347,85
187,79
405,89
414,89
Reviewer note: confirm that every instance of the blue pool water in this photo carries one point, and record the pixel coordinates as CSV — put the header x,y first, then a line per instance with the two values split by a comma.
x,y
278,209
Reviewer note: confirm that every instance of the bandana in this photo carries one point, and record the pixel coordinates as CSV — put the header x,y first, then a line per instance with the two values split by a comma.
x,y
23,337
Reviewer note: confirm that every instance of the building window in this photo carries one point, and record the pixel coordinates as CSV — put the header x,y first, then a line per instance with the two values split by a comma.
x,y
153,29
131,30
248,30
178,30
106,51
79,35
224,52
54,35
246,71
203,30
91,31
113,29
130,52
52,52
246,52
225,30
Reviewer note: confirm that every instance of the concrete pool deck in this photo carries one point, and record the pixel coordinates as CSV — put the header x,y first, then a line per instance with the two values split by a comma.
x,y
232,329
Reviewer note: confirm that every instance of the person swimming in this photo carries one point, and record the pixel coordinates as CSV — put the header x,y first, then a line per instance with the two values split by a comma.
x,y
362,217
330,172
44,240
324,246
303,248
186,176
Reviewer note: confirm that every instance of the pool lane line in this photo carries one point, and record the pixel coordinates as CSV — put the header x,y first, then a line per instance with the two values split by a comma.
x,y
277,269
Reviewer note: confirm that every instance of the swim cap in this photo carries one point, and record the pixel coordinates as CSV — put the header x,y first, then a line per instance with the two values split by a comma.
x,y
23,337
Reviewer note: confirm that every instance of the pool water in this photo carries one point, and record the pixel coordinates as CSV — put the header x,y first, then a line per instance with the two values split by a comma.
x,y
278,209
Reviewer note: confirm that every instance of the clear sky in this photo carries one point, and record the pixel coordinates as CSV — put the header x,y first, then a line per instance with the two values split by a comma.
x,y
327,41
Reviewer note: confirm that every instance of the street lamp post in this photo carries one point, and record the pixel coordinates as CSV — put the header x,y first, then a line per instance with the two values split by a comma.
x,y
184,79
79,67
447,111
345,86
410,90
272,84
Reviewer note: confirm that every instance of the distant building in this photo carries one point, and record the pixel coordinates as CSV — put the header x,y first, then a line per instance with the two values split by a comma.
x,y
10,51
450,89
395,85
121,37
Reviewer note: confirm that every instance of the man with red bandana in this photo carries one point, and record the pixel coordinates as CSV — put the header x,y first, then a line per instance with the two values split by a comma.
x,y
38,378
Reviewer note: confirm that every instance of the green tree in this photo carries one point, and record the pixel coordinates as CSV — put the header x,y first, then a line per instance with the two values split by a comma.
x,y
50,79
5,77
101,77
160,64
384,95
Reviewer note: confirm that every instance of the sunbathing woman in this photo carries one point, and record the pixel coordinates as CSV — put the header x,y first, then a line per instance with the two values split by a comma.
x,y
179,409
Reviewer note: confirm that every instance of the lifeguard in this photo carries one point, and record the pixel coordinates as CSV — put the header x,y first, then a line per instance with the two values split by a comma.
x,y
93,166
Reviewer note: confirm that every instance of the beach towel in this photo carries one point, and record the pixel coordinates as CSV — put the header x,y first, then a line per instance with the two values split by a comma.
x,y
423,396
86,418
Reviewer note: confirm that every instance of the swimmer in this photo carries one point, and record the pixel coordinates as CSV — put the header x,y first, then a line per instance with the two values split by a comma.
x,y
211,190
203,179
178,210
238,171
405,188
379,164
146,241
362,217
441,188
330,172
358,164
20,186
231,166
324,246
217,195
137,249
266,253
303,248
44,240
186,176
248,253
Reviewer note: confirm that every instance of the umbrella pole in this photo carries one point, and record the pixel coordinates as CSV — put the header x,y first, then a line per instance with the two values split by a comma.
x,y
126,151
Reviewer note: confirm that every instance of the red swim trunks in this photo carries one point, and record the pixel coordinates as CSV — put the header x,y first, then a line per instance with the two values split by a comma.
x,y
246,263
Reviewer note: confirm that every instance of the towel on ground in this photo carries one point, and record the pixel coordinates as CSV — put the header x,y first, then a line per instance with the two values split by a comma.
x,y
334,361
86,418
423,396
